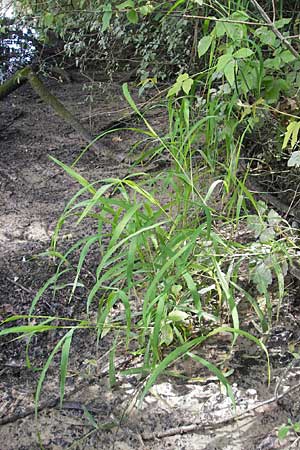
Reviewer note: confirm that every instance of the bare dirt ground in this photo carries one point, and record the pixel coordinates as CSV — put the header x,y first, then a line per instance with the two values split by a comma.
x,y
176,414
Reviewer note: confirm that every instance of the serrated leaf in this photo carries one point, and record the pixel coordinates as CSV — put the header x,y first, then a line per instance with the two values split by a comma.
x,y
274,218
239,15
255,225
229,72
187,85
182,77
261,207
287,56
166,334
262,277
132,16
177,315
296,427
267,235
48,19
281,23
283,432
273,63
146,9
274,87
174,89
106,17
294,160
243,53
204,45
220,29
183,82
223,61
126,4
234,31
291,134
266,36
176,289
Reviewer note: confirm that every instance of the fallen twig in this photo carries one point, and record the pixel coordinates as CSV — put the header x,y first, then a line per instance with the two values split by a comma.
x,y
19,285
201,426
55,401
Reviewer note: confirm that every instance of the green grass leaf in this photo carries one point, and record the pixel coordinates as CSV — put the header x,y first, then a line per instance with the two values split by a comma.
x,y
41,291
159,315
45,370
217,372
64,363
79,178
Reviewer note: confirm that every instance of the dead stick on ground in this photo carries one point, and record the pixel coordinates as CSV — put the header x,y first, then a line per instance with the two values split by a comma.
x,y
29,291
201,426
55,401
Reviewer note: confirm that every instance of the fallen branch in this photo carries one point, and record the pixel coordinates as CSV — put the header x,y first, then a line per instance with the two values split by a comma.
x,y
49,404
201,426
29,411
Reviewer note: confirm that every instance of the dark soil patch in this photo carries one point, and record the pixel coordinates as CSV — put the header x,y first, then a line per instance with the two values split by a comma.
x,y
34,192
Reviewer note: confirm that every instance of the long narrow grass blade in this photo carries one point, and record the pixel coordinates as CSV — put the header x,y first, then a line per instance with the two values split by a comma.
x,y
43,374
195,294
111,300
111,366
170,358
64,363
105,260
229,298
124,299
130,262
27,329
157,327
95,200
186,347
48,283
82,258
81,180
255,306
122,224
212,368
131,102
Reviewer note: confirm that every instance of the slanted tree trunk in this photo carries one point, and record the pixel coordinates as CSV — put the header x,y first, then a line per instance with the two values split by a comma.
x,y
27,74
19,78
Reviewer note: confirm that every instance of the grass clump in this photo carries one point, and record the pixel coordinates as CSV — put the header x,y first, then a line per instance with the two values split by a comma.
x,y
167,268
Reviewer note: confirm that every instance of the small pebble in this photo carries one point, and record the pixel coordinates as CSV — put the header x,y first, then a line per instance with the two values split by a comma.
x,y
251,392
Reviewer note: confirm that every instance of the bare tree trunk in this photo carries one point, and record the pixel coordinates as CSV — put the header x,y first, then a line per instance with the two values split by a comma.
x,y
27,74
9,86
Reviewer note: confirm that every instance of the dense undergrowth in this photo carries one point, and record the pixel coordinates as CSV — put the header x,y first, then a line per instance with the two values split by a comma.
x,y
169,250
